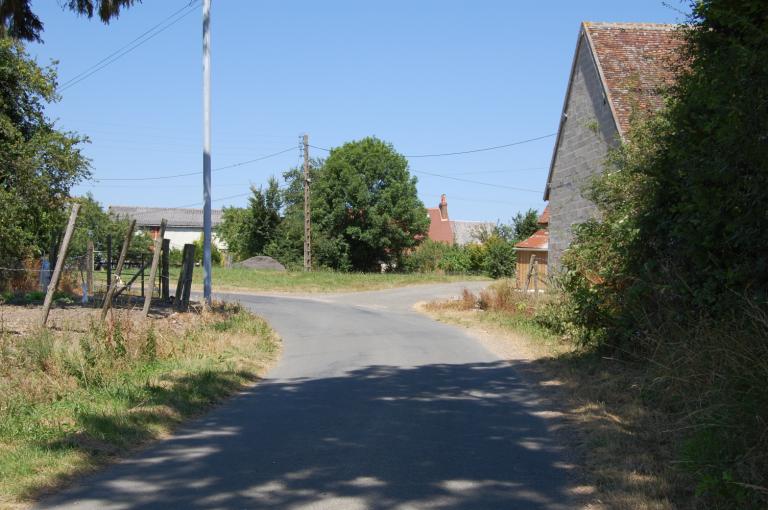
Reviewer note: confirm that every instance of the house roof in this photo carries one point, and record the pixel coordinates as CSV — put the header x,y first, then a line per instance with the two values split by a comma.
x,y
544,218
539,241
439,228
635,61
151,216
465,232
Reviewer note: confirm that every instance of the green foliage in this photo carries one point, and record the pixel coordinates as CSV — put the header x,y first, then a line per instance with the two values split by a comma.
x,y
216,256
175,256
38,164
676,267
427,258
500,258
365,206
522,227
17,19
95,224
495,258
249,231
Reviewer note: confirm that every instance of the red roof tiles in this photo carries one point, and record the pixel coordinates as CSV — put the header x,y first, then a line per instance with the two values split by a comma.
x,y
635,61
539,241
439,228
544,218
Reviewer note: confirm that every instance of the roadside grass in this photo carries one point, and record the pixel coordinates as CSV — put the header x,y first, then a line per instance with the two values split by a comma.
x,y
243,279
317,281
611,418
70,401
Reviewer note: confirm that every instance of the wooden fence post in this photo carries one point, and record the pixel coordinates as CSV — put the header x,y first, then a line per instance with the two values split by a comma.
x,y
59,264
118,270
153,269
182,279
165,276
188,275
89,268
109,263
531,267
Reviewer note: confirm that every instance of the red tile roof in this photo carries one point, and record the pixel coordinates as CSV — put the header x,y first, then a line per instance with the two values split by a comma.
x,y
544,218
539,241
635,61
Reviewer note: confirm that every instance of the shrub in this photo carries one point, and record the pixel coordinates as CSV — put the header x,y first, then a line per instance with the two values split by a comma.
x,y
426,258
500,258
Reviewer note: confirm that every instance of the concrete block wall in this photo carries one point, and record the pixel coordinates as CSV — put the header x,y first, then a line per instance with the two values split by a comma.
x,y
587,134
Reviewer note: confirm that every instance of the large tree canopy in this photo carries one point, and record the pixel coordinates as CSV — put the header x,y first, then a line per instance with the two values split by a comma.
x,y
17,19
38,164
365,206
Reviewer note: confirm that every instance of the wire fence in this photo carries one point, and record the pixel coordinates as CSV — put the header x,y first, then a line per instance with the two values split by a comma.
x,y
89,268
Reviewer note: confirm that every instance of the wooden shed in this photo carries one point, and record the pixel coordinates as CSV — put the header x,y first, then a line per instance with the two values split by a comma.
x,y
534,251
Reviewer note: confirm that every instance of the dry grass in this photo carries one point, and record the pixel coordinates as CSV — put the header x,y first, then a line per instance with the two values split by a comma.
x,y
74,398
625,445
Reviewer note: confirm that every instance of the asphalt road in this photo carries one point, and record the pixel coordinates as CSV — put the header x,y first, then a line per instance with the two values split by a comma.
x,y
372,406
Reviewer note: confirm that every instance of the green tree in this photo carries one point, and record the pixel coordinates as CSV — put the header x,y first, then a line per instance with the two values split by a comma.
x,y
365,206
524,225
287,245
38,164
17,19
216,256
248,231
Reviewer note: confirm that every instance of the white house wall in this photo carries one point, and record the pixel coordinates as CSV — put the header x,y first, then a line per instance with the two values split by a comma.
x,y
179,236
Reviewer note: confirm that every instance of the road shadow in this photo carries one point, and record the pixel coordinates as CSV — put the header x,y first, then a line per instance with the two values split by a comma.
x,y
433,436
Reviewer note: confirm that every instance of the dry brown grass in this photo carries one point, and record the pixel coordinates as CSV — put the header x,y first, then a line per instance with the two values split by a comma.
x,y
624,444
77,396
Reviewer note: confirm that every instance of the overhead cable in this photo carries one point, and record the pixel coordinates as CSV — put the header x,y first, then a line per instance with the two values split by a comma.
x,y
234,165
129,47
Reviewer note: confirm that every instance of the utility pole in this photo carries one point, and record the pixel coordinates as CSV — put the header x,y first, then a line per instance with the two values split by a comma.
x,y
307,216
207,151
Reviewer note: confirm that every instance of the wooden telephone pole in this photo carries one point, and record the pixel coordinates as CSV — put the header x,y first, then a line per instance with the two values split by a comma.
x,y
307,215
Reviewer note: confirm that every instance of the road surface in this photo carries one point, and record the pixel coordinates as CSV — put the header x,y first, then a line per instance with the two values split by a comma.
x,y
372,406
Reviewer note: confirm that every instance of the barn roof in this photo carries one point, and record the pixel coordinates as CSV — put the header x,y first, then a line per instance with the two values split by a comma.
x,y
177,217
635,61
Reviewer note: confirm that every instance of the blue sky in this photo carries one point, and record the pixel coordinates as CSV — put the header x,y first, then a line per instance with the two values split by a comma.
x,y
429,76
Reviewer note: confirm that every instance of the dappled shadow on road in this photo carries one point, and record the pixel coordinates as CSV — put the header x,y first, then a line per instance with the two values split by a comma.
x,y
434,436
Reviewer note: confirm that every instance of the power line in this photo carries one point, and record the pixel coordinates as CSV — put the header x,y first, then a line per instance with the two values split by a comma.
x,y
483,149
129,47
470,151
234,165
475,172
478,182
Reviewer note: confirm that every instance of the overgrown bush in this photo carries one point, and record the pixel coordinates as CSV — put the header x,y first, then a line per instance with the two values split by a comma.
x,y
674,271
426,258
500,258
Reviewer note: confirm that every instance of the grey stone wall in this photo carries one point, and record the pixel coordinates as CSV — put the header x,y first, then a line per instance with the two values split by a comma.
x,y
587,133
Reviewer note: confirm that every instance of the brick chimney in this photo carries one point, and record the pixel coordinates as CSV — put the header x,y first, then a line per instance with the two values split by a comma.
x,y
443,207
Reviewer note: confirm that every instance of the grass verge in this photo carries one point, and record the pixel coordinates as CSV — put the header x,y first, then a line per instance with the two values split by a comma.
x,y
621,438
71,401
319,281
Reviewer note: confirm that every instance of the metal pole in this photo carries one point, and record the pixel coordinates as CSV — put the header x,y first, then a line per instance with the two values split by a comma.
x,y
207,151
307,215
